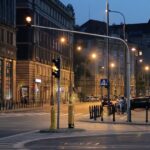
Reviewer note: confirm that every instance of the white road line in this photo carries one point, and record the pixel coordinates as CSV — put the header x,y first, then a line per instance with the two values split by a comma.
x,y
19,134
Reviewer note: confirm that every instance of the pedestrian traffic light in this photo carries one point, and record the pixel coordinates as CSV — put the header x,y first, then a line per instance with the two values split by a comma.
x,y
56,68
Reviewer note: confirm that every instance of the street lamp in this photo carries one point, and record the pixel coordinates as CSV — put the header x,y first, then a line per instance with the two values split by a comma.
x,y
124,37
70,105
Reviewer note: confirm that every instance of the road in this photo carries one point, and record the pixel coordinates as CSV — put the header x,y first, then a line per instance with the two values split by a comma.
x,y
20,122
19,128
136,141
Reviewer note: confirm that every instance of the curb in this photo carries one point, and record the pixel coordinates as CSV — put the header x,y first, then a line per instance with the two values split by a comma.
x,y
62,130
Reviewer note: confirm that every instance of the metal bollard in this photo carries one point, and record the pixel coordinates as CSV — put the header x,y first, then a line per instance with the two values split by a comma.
x,y
130,120
95,112
101,113
90,112
98,111
146,114
113,112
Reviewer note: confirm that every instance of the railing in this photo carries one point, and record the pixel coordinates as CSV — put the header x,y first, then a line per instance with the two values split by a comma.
x,y
8,105
96,111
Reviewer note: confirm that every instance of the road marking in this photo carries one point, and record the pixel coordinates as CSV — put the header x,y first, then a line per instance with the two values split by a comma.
x,y
19,134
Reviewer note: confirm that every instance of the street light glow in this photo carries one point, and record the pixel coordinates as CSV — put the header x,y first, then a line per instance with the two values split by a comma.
x,y
147,68
79,48
62,39
140,60
133,49
112,65
28,19
94,55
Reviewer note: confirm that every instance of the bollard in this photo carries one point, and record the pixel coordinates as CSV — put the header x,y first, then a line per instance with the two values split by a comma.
x,y
92,115
146,114
71,116
130,119
113,112
101,113
90,111
95,112
53,118
98,111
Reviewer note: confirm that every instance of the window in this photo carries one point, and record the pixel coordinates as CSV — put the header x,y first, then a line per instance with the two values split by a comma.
x,y
8,90
1,67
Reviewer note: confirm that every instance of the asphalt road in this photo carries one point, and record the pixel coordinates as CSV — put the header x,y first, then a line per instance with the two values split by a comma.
x,y
138,141
21,126
16,123
19,122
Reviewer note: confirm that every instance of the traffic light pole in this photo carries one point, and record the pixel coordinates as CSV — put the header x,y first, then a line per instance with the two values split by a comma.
x,y
53,120
103,36
58,103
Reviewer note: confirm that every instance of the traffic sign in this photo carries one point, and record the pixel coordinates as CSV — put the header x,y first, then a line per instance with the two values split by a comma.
x,y
104,82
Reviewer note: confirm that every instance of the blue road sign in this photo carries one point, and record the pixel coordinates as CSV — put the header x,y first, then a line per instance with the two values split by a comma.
x,y
104,82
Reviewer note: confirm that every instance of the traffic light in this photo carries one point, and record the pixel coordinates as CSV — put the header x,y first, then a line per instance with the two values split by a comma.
x,y
56,68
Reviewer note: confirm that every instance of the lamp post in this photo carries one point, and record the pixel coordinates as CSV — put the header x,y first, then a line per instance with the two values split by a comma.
x,y
124,37
107,44
70,105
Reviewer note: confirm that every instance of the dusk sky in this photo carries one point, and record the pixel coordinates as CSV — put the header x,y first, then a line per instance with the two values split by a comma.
x,y
135,11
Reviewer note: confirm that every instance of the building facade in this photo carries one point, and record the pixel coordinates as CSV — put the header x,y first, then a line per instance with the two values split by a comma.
x,y
37,47
138,35
90,84
7,51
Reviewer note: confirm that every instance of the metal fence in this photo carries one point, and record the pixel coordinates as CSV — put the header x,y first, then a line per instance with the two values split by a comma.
x,y
8,105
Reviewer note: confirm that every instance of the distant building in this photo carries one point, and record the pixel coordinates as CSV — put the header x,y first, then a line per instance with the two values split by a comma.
x,y
37,47
138,34
88,81
7,51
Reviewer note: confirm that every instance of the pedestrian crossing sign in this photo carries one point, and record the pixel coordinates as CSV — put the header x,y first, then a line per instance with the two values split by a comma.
x,y
104,82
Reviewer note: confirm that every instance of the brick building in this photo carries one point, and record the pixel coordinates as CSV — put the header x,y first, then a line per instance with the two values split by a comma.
x,y
37,47
7,51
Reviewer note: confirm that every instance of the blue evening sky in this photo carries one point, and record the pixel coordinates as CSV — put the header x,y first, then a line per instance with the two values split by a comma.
x,y
135,11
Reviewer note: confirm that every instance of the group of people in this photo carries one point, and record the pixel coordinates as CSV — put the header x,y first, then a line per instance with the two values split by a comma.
x,y
121,105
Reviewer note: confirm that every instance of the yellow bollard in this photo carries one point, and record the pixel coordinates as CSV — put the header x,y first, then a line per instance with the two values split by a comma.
x,y
53,120
70,116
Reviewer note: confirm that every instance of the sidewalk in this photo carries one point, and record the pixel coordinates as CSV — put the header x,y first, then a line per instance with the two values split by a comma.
x,y
83,127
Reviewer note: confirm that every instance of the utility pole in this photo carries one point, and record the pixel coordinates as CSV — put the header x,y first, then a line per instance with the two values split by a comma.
x,y
107,44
